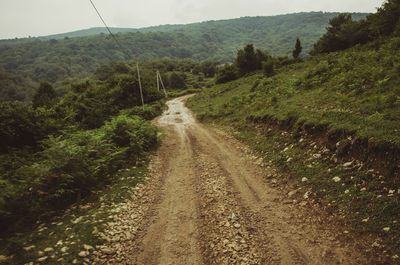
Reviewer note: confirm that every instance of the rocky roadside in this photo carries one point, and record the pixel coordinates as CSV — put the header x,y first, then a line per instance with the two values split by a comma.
x,y
346,180
226,238
124,233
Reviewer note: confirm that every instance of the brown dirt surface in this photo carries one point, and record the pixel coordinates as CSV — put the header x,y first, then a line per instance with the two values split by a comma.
x,y
206,201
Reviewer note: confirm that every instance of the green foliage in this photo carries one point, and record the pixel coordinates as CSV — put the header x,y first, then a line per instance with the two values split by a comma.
x,y
268,67
356,90
297,49
21,125
60,60
335,39
344,33
131,132
208,69
15,87
45,96
349,101
180,93
226,73
246,60
105,71
176,80
71,166
386,20
148,112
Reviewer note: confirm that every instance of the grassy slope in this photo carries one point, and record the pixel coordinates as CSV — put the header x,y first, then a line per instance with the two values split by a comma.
x,y
289,119
82,224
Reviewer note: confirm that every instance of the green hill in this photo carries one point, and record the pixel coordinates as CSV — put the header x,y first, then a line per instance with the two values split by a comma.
x,y
77,54
329,126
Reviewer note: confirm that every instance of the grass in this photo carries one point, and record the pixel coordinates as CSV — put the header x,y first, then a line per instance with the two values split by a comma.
x,y
288,118
82,224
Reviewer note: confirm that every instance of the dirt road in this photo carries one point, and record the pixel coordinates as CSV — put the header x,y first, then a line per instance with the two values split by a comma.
x,y
207,202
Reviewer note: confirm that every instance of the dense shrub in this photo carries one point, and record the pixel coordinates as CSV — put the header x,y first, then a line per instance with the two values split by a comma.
x,y
71,166
147,112
131,132
22,125
226,74
344,33
268,67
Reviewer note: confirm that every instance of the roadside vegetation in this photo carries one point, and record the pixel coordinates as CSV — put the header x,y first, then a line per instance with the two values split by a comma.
x,y
330,123
63,151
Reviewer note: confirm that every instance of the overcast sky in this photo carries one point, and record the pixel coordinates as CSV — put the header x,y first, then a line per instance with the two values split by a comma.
x,y
22,18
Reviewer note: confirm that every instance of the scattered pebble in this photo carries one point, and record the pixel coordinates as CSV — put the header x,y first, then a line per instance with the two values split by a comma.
x,y
42,258
336,179
48,249
3,258
29,248
64,249
82,254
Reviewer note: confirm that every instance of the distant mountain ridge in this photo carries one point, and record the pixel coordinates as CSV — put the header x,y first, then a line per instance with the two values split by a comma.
x,y
161,28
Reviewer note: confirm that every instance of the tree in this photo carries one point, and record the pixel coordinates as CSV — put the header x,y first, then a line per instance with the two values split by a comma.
x,y
208,68
333,40
226,74
261,57
177,80
246,60
385,20
45,95
297,49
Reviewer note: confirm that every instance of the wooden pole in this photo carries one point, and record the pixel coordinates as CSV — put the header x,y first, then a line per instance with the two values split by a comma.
x,y
158,82
140,83
162,84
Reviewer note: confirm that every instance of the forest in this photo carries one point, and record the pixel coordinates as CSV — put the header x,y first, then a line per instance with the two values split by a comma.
x,y
63,60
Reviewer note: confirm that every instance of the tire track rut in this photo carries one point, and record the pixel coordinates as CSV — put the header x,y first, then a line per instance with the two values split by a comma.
x,y
207,202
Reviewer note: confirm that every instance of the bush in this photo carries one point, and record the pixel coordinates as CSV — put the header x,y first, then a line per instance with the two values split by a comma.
x,y
148,112
268,67
131,132
71,166
21,125
226,74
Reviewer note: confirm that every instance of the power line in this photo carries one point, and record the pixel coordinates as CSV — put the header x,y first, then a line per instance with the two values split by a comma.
x,y
112,35
122,49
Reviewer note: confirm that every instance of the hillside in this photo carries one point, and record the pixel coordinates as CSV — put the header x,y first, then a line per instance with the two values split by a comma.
x,y
61,59
331,125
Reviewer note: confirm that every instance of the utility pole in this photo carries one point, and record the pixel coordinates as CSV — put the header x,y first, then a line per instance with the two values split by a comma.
x,y
140,83
158,81
162,84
